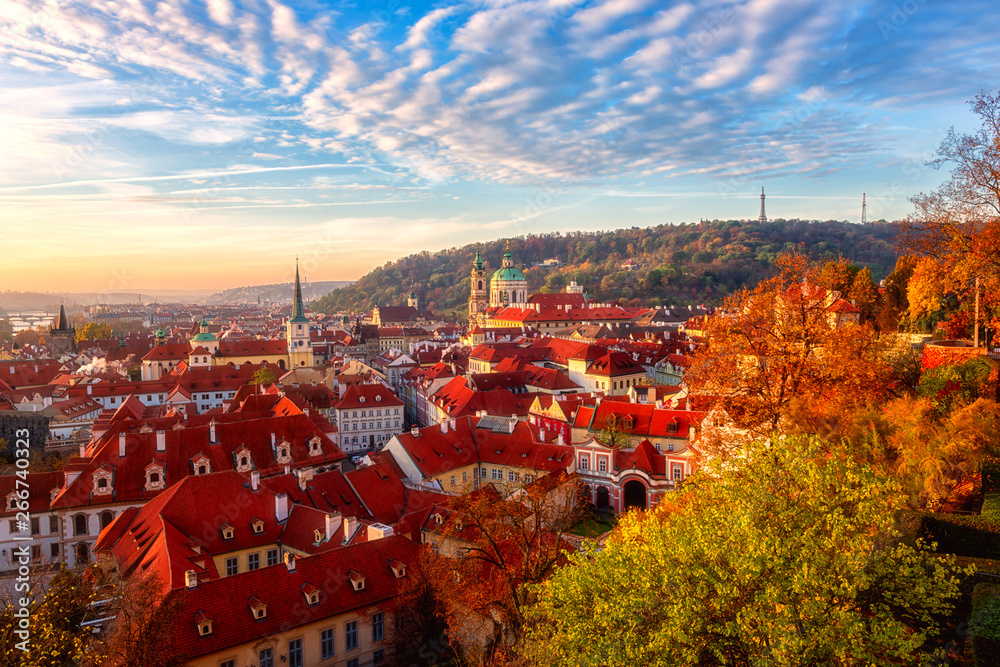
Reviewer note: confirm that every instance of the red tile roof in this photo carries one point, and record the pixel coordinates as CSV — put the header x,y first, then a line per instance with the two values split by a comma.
x,y
226,601
368,396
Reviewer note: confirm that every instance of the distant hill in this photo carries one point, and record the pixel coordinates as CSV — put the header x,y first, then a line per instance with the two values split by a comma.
x,y
671,264
278,293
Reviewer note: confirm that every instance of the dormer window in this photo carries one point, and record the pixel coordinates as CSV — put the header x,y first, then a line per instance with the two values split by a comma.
x,y
317,536
398,568
283,455
311,594
314,448
228,532
204,624
155,477
244,463
202,466
378,398
439,519
258,608
361,399
672,427
357,580
102,483
11,499
258,526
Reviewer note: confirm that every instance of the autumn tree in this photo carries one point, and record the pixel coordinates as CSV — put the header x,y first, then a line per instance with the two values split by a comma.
x,y
790,559
958,225
93,331
892,304
615,431
491,546
780,351
141,632
59,606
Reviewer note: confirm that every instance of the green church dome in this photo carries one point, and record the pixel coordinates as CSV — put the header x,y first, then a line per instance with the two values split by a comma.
x,y
507,273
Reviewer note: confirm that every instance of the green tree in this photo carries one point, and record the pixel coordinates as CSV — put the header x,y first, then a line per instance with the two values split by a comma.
x,y
790,559
6,331
264,376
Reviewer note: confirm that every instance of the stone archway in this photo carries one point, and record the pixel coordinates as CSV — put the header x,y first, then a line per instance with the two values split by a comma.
x,y
634,495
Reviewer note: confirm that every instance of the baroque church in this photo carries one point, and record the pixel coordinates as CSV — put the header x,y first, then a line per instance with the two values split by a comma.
x,y
507,287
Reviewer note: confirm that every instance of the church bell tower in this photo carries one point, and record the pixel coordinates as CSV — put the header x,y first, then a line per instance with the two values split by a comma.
x,y
297,330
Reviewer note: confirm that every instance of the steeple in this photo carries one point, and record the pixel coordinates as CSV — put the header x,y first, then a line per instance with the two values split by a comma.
x,y
298,309
478,263
763,216
63,323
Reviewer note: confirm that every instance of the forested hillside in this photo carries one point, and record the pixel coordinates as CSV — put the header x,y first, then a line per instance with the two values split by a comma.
x,y
672,264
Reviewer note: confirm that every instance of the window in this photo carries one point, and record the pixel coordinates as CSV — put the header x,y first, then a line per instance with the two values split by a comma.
x,y
35,529
497,473
272,557
232,566
512,476
106,519
378,627
295,653
80,524
465,477
326,644
453,480
378,657
482,473
355,414
350,636
678,472
396,412
670,446
228,663
53,524
54,550
602,465
253,561
584,462
265,657
353,662
36,552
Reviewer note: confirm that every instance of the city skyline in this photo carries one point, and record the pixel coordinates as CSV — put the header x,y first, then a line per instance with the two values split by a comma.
x,y
203,145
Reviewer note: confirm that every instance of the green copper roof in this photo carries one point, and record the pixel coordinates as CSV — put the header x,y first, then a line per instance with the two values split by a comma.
x,y
478,263
507,273
205,336
298,309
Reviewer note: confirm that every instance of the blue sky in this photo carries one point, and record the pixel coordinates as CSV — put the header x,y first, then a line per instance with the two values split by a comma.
x,y
205,143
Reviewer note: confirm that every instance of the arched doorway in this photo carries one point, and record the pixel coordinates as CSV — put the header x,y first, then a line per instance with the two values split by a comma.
x,y
634,495
603,498
82,553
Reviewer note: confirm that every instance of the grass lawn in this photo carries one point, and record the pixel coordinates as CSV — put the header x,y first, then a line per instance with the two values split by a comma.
x,y
598,524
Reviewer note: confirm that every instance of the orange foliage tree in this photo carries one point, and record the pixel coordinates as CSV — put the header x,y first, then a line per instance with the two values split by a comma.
x,y
782,360
489,547
958,225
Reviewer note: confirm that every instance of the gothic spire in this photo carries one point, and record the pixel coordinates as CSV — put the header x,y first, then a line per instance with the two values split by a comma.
x,y
298,308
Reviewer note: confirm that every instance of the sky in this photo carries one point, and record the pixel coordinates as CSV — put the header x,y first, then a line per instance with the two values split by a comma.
x,y
205,144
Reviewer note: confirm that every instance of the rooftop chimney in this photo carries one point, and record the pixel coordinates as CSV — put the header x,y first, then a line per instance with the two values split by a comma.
x,y
414,431
161,441
350,525
281,506
211,432
121,445
254,480
561,441
273,440
191,579
332,523
444,427
83,451
290,561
